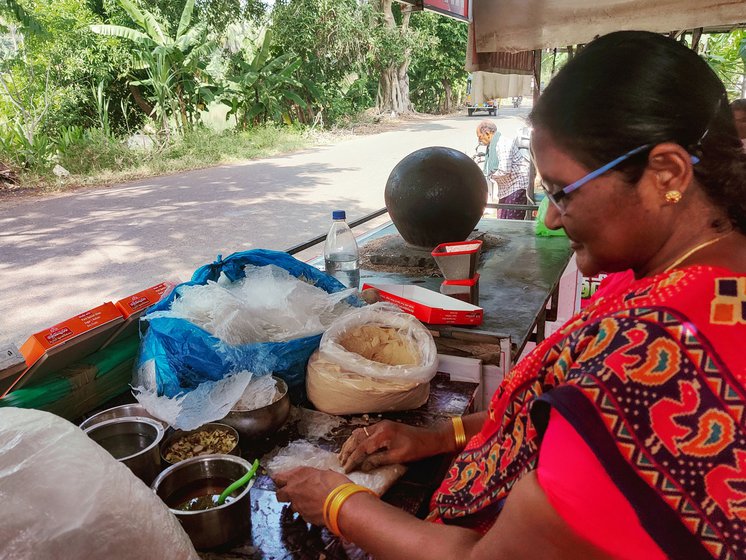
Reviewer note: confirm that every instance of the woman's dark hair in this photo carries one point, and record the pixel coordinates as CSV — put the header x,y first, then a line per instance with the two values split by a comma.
x,y
631,88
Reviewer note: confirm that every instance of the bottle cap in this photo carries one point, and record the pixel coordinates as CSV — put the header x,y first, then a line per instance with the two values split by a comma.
x,y
339,215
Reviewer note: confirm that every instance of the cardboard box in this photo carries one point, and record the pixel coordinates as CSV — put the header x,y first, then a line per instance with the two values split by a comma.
x,y
134,306
428,306
59,346
12,364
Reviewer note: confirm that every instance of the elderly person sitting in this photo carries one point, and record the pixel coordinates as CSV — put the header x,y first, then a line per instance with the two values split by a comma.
x,y
623,434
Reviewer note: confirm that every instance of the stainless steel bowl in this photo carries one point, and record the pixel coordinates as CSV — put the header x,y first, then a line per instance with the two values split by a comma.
x,y
124,411
262,421
178,434
133,441
207,475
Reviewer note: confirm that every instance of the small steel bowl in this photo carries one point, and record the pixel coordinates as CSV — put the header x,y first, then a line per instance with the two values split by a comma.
x,y
133,441
209,474
178,434
124,411
260,422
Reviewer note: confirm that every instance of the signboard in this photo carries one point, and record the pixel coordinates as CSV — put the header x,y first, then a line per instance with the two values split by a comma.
x,y
458,9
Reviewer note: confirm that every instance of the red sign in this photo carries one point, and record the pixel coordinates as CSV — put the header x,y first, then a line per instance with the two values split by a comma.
x,y
458,9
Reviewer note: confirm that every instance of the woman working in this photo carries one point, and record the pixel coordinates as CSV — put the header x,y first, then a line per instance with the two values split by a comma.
x,y
623,434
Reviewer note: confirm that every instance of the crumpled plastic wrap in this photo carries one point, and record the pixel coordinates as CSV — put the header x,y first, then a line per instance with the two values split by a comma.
x,y
62,496
301,453
268,305
260,392
375,359
256,312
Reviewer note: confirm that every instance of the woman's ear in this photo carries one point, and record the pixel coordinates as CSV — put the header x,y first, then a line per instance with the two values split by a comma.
x,y
670,169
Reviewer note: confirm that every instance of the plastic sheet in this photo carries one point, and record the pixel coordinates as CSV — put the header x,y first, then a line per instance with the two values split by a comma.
x,y
303,454
62,496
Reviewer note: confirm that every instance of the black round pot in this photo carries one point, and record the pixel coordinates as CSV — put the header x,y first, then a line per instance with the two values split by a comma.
x,y
435,195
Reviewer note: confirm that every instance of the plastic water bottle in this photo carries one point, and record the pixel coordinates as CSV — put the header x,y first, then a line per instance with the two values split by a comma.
x,y
341,256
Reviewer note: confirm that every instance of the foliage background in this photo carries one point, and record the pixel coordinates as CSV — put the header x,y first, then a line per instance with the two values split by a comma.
x,y
97,84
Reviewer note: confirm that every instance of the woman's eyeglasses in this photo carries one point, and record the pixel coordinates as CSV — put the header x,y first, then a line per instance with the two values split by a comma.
x,y
558,198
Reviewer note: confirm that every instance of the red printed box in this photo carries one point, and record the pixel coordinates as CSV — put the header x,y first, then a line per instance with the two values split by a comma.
x,y
428,306
57,347
139,302
134,306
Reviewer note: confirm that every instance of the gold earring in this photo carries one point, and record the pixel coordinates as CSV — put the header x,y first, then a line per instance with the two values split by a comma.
x,y
673,197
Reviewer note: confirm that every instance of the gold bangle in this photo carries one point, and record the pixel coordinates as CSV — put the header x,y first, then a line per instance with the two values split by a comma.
x,y
336,499
459,434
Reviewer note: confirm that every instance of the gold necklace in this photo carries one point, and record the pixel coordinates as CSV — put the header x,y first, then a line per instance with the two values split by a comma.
x,y
694,249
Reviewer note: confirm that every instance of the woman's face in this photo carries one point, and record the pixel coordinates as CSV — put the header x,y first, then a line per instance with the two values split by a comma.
x,y
611,224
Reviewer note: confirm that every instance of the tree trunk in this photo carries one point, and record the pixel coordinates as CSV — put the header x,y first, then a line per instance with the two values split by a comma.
x,y
448,101
393,84
146,107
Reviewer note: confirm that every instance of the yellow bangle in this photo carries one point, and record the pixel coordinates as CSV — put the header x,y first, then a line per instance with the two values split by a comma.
x,y
336,499
329,498
459,434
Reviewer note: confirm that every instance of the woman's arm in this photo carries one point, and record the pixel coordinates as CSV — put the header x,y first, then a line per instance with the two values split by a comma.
x,y
387,442
527,528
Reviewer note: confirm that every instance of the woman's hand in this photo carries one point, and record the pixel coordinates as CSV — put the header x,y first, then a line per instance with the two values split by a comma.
x,y
306,489
387,443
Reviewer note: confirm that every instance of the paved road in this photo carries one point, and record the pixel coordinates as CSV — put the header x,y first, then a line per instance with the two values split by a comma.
x,y
68,253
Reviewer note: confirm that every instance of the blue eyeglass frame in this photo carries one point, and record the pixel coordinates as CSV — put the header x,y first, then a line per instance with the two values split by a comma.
x,y
556,198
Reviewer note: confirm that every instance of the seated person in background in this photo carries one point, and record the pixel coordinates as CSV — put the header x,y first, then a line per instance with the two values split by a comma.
x,y
512,173
621,435
739,115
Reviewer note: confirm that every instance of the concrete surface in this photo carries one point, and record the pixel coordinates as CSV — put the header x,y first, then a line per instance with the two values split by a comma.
x,y
62,255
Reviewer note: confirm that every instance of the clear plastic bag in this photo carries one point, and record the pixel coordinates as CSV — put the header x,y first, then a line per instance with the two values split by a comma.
x,y
375,359
416,341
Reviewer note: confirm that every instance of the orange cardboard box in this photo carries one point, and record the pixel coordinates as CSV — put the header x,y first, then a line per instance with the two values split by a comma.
x,y
132,307
139,302
54,348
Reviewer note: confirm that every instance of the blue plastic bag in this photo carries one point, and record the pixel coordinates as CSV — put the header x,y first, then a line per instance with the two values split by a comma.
x,y
181,356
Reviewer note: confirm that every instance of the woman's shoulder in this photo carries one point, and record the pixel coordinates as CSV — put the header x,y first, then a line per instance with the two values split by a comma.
x,y
718,290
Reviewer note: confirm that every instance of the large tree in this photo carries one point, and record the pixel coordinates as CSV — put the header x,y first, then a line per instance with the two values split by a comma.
x,y
392,56
332,40
437,71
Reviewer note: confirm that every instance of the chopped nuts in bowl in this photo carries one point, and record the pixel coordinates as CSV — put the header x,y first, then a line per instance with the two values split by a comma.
x,y
210,439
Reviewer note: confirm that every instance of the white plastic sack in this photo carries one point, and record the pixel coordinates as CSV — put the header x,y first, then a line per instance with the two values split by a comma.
x,y
62,496
374,359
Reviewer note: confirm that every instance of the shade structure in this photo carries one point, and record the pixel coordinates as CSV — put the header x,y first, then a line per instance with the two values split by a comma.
x,y
521,25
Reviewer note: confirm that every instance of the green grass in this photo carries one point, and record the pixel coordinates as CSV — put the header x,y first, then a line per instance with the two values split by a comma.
x,y
98,160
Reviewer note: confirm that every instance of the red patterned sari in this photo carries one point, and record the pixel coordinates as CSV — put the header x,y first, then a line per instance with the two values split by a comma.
x,y
654,381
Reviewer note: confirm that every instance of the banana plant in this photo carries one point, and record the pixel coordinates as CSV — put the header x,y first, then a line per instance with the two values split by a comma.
x,y
171,62
264,88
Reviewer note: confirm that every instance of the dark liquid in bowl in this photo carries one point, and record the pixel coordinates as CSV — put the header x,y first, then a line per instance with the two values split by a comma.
x,y
200,495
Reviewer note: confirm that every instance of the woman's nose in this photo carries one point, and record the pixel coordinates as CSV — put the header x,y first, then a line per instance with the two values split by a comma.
x,y
553,218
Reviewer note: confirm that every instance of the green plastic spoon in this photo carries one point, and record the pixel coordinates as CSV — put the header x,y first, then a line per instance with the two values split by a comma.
x,y
239,483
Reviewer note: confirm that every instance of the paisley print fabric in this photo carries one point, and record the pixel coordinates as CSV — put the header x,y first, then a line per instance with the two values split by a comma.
x,y
653,379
